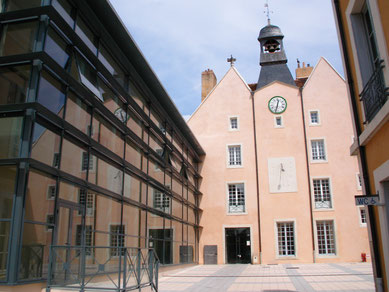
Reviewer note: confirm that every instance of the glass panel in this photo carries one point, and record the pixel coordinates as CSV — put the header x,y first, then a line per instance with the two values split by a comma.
x,y
7,190
68,192
73,158
39,198
135,94
107,135
21,4
133,154
10,136
51,93
108,211
45,145
65,10
177,208
191,234
55,46
191,215
177,186
107,176
155,226
131,220
191,197
177,230
35,252
77,113
4,239
155,144
143,225
18,38
86,34
88,76
155,171
112,66
134,124
112,101
13,84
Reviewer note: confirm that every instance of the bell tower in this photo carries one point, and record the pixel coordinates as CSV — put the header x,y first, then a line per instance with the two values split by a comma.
x,y
273,57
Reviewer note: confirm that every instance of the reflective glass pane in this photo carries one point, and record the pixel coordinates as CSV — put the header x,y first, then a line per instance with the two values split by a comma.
x,y
51,93
21,4
112,66
108,211
18,38
131,219
135,125
86,34
107,135
14,84
55,46
177,230
74,160
155,226
77,114
10,136
35,252
107,176
133,154
176,208
65,10
40,196
4,239
134,189
45,145
88,76
135,94
112,101
68,192
7,190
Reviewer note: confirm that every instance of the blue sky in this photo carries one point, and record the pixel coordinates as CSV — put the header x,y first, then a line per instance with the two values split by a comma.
x,y
182,38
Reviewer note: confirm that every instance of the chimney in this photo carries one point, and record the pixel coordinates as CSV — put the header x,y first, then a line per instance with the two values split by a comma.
x,y
208,82
303,72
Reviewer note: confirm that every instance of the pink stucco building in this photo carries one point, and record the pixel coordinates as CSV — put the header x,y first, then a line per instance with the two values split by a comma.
x,y
278,181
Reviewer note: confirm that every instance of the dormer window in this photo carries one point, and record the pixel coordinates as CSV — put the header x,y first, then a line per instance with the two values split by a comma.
x,y
271,46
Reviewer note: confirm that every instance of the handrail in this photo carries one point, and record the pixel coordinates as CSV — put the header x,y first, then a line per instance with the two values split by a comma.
x,y
105,268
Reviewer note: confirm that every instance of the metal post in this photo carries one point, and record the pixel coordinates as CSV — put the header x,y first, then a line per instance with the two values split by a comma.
x,y
125,270
138,268
151,262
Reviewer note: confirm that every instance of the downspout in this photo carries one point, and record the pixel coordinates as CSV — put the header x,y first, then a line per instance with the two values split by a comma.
x,y
361,149
309,176
257,178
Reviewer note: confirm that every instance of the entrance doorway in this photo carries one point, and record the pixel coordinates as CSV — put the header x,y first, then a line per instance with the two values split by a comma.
x,y
238,245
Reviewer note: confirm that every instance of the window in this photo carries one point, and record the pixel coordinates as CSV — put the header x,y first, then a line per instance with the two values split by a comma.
x,y
14,84
325,237
84,163
236,198
88,238
10,136
51,93
234,125
88,199
56,160
286,242
318,150
56,47
161,201
314,117
322,192
18,38
234,155
359,182
51,190
50,222
278,122
117,240
362,216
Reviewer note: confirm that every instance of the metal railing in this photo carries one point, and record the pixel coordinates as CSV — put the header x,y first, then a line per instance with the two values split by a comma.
x,y
374,94
83,268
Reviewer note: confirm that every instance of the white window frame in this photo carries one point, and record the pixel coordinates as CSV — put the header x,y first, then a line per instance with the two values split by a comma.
x,y
275,122
279,221
360,210
237,123
325,150
228,155
331,193
228,198
331,255
318,118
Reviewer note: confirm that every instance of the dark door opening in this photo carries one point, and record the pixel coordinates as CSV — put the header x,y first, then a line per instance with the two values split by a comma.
x,y
238,245
161,241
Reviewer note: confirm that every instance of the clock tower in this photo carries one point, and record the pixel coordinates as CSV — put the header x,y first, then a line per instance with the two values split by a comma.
x,y
273,58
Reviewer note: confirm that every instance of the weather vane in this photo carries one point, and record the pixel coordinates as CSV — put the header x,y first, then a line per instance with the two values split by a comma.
x,y
267,11
231,60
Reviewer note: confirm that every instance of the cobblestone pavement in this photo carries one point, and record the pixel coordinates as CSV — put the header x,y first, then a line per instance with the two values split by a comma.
x,y
266,278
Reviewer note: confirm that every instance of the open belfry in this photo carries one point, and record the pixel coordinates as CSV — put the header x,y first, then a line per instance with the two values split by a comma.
x,y
278,180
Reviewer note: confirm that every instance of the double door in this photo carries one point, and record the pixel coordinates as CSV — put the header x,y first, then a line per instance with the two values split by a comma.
x,y
238,245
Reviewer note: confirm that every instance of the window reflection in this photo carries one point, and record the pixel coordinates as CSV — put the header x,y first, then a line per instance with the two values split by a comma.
x,y
55,46
51,93
7,190
107,135
86,35
65,10
18,38
45,145
87,75
14,84
134,188
10,136
11,5
133,154
107,176
72,158
77,113
112,66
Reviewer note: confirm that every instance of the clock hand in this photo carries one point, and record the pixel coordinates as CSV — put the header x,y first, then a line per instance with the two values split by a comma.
x,y
277,104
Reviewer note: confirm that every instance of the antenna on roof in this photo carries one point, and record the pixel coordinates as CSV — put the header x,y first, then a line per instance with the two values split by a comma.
x,y
267,11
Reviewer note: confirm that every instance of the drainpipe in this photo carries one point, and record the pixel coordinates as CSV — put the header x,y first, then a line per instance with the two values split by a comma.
x,y
257,178
309,175
361,149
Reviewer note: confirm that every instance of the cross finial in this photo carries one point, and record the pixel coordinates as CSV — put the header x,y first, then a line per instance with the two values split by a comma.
x,y
231,60
267,12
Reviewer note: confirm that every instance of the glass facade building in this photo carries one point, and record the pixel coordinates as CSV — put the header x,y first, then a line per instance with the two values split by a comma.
x,y
92,150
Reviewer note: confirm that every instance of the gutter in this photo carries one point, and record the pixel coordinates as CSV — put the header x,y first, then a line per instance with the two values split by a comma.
x,y
361,149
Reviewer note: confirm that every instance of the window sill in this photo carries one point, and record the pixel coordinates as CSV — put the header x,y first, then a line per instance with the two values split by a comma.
x,y
318,161
323,210
234,166
237,214
314,125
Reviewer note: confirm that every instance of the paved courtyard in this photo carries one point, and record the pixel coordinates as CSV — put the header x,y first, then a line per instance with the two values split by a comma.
x,y
266,278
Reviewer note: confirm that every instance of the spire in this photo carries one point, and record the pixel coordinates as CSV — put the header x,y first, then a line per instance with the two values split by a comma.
x,y
273,57
267,12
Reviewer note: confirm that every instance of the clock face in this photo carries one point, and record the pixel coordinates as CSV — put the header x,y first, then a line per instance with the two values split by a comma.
x,y
277,104
121,114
